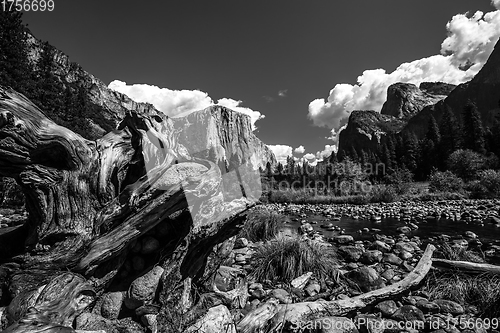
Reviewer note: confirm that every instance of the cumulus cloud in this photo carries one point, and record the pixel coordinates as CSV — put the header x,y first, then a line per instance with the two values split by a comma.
x,y
325,153
299,150
470,41
496,3
177,103
310,157
281,152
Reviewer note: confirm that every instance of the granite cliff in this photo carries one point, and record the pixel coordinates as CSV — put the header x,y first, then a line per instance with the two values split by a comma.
x,y
216,131
409,108
366,129
483,90
404,100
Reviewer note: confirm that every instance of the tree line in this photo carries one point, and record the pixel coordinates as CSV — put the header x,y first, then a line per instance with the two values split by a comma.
x,y
67,103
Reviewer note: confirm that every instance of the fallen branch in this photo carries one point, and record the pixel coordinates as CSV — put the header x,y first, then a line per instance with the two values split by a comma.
x,y
294,314
465,266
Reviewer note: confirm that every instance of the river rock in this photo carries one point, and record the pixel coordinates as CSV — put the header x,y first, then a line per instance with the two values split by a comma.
x,y
427,306
143,289
306,229
351,253
150,245
313,289
301,281
225,278
93,322
367,278
388,308
381,246
470,234
408,313
371,257
450,307
405,255
343,239
388,274
405,229
112,304
240,243
282,295
217,319
392,259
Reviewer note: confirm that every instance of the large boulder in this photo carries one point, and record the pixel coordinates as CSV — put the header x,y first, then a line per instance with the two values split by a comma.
x,y
367,278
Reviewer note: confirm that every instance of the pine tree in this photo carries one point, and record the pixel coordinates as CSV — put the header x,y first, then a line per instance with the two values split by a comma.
x,y
450,134
410,155
429,158
341,155
15,67
433,131
473,132
353,154
333,158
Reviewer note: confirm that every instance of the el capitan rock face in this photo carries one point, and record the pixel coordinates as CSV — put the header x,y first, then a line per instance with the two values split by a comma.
x,y
224,132
218,133
404,100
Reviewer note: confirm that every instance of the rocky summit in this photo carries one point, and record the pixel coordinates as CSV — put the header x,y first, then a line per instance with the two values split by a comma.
x,y
408,108
404,100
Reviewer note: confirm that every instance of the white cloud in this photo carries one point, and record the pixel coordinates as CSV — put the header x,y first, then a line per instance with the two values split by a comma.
x,y
309,156
325,153
470,41
176,103
284,92
281,152
299,150
496,3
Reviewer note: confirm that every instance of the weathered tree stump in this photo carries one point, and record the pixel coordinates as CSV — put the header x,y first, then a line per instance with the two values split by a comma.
x,y
89,202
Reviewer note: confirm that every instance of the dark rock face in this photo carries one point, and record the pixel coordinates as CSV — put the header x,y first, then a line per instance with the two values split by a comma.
x,y
437,88
411,107
405,100
483,90
366,129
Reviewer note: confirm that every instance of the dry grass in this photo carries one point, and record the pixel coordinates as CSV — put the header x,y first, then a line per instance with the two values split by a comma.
x,y
449,252
285,258
480,291
262,224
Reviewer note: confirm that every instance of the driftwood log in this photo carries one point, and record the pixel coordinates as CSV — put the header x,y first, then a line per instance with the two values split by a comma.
x,y
88,202
465,266
275,317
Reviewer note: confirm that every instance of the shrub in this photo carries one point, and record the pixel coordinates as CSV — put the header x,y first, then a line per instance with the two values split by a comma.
x,y
401,180
285,258
445,181
383,193
261,225
465,163
490,179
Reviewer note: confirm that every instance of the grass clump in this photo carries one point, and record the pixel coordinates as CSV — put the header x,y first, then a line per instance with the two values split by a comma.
x,y
480,291
285,258
261,225
449,252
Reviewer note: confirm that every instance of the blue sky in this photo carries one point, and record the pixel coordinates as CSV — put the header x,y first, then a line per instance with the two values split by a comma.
x,y
293,64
